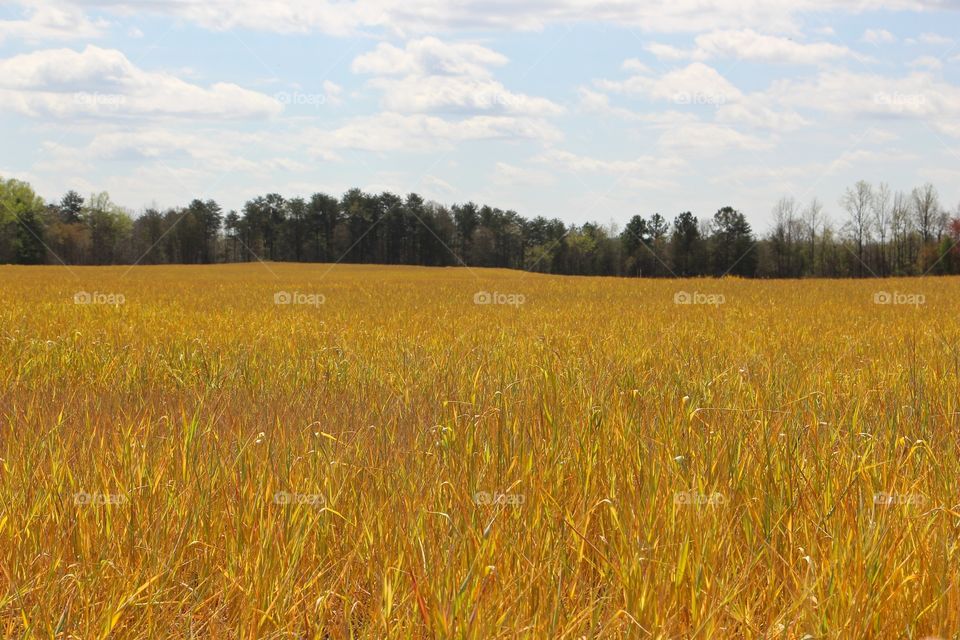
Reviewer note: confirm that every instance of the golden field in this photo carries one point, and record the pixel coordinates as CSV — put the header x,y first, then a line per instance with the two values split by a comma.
x,y
389,459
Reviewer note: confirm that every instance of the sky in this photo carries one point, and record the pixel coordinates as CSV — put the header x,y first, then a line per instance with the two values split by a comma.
x,y
586,111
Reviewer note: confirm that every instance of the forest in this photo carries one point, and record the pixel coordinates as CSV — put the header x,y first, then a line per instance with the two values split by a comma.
x,y
879,233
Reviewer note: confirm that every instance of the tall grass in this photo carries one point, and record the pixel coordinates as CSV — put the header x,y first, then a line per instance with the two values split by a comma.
x,y
400,462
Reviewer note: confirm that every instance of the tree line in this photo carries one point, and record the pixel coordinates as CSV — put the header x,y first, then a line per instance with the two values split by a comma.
x,y
881,234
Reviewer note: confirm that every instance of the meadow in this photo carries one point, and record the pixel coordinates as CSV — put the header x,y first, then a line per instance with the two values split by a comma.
x,y
290,451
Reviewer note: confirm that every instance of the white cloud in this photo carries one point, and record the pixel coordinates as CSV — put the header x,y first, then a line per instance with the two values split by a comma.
x,y
211,152
857,158
332,92
927,62
24,176
750,45
104,83
429,76
425,16
747,44
428,56
599,103
670,52
632,64
935,39
513,176
417,94
950,127
710,138
876,136
754,112
854,95
878,36
52,22
421,132
579,163
751,111
752,174
646,172
696,83
435,185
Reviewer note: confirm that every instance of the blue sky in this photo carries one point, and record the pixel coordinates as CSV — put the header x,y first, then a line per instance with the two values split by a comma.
x,y
579,110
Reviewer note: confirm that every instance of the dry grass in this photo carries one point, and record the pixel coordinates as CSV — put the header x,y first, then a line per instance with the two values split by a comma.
x,y
299,471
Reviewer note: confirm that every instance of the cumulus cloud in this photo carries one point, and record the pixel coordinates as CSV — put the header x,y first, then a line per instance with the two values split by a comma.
x,y
878,36
754,111
422,132
447,94
935,39
333,92
651,172
52,22
710,138
927,62
429,75
423,16
428,56
104,83
581,163
670,52
747,44
854,95
695,83
848,92
506,174
178,158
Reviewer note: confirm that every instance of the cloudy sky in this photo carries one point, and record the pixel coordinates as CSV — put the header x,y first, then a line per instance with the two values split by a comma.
x,y
584,110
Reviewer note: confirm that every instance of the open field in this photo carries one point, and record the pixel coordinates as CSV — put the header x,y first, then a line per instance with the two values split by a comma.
x,y
180,456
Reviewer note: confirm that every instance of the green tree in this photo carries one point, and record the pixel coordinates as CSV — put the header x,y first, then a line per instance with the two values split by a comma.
x,y
21,228
732,244
71,207
110,229
687,247
323,216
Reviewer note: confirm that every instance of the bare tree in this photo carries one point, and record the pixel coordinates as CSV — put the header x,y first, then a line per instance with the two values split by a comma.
x,y
858,202
926,206
881,209
784,215
941,222
813,218
901,226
